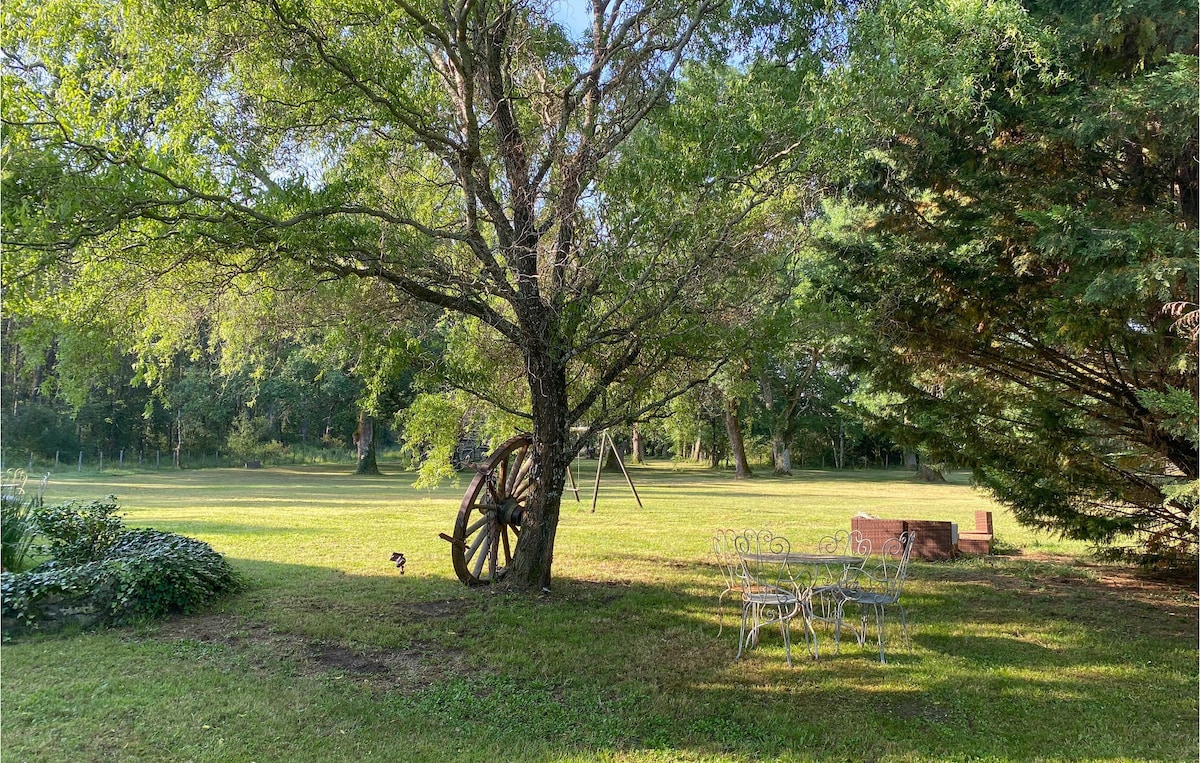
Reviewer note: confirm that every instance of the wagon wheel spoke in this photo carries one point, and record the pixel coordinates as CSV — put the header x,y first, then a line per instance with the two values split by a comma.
x,y
477,570
480,538
480,523
495,492
502,477
496,532
523,489
523,465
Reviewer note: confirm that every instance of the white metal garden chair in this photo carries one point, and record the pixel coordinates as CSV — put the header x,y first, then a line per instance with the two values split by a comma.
x,y
725,550
877,587
768,594
13,486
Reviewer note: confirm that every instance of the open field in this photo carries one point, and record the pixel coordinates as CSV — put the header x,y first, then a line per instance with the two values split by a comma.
x,y
332,655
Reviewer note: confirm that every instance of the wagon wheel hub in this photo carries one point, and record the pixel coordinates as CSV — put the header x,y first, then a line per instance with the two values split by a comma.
x,y
510,512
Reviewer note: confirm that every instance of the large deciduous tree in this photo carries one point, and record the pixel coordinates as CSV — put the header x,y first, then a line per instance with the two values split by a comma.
x,y
458,153
1028,177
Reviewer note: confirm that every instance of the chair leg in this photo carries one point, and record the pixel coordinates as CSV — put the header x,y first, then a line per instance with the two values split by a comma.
x,y
810,632
880,621
786,628
721,613
742,635
839,611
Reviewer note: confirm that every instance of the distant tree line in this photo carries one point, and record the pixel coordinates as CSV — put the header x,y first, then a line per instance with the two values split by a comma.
x,y
198,409
202,415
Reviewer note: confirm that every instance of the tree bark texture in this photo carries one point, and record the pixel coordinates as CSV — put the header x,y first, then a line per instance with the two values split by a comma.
x,y
364,440
533,559
737,443
782,455
637,451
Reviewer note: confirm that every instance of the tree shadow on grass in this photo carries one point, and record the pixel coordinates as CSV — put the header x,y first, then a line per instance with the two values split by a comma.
x,y
608,669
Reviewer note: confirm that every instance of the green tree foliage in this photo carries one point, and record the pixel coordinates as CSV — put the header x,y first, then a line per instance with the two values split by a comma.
x,y
1027,188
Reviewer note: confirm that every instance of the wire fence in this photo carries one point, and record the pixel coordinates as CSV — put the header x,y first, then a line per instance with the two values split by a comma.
x,y
151,460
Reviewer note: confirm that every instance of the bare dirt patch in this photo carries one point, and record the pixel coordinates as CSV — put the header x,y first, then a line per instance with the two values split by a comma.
x,y
334,657
433,610
1133,584
920,709
415,666
221,629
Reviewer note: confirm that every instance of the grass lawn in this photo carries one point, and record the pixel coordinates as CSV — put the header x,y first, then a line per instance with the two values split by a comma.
x,y
331,655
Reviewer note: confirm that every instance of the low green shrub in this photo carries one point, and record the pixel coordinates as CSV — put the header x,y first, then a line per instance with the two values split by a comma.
x,y
132,575
160,572
76,532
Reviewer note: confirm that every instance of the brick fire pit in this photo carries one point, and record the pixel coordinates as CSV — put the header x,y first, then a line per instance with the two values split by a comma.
x,y
935,540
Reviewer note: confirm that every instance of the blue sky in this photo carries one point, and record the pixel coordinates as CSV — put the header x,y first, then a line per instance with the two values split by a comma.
x,y
574,14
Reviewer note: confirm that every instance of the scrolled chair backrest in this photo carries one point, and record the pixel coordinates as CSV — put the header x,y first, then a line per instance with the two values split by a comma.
x,y
893,566
725,549
845,543
842,543
763,555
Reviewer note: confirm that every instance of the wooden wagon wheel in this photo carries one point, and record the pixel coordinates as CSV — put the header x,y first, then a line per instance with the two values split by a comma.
x,y
488,527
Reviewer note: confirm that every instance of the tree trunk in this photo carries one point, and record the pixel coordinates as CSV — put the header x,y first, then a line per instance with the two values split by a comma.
x,y
737,444
781,454
926,473
841,445
637,450
716,454
550,456
364,441
178,450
